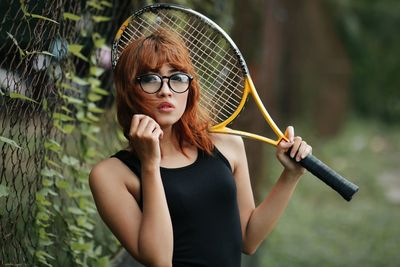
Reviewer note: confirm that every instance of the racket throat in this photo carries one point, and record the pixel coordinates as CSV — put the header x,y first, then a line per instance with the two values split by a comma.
x,y
267,140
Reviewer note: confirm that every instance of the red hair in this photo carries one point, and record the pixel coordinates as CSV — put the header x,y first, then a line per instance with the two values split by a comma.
x,y
149,54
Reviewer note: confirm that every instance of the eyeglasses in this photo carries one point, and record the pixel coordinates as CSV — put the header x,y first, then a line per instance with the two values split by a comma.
x,y
152,83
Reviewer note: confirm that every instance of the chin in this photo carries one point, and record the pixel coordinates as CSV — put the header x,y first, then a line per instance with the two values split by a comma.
x,y
166,122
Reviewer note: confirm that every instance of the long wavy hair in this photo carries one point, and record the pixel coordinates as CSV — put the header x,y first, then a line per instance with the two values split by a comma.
x,y
149,54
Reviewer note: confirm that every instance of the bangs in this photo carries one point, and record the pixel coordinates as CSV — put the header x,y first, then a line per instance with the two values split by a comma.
x,y
156,51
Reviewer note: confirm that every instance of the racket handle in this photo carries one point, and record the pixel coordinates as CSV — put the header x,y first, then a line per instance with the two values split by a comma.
x,y
337,182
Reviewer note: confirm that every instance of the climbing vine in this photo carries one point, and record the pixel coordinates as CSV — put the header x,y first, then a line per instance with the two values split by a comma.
x,y
64,199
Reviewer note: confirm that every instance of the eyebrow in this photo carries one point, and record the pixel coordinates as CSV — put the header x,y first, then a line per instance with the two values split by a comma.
x,y
157,70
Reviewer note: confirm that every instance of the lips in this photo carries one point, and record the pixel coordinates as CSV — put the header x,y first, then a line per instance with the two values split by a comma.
x,y
166,106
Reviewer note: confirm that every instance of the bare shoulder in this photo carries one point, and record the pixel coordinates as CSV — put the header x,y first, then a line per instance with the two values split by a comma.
x,y
111,172
227,140
231,146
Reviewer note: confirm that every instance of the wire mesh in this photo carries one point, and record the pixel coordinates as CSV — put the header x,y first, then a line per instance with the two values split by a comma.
x,y
34,60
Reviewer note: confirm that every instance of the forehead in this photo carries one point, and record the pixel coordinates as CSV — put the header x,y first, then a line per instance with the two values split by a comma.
x,y
154,55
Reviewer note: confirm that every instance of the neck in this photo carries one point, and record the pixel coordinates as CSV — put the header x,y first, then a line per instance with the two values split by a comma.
x,y
169,142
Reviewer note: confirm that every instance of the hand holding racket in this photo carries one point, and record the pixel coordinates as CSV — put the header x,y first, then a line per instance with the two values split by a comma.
x,y
223,75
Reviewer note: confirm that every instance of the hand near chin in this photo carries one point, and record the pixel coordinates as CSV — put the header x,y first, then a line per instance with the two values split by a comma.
x,y
298,148
145,134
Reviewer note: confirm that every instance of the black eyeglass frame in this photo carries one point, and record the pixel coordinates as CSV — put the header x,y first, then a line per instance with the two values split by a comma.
x,y
139,79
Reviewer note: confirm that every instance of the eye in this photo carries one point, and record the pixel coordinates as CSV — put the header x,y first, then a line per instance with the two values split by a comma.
x,y
180,77
151,78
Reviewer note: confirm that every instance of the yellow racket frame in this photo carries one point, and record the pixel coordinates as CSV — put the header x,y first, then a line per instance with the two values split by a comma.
x,y
249,88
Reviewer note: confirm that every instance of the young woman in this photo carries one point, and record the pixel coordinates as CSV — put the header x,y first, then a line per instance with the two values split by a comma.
x,y
179,195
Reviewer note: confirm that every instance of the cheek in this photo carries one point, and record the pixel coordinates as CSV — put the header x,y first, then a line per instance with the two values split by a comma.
x,y
182,102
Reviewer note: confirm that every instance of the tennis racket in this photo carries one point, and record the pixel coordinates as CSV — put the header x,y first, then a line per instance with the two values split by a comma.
x,y
223,75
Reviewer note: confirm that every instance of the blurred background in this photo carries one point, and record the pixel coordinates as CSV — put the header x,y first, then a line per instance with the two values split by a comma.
x,y
329,68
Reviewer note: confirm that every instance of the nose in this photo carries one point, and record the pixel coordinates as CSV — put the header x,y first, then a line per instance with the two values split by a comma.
x,y
165,90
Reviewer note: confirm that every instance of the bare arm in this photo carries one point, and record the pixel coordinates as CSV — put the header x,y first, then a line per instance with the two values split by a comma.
x,y
264,218
258,222
146,235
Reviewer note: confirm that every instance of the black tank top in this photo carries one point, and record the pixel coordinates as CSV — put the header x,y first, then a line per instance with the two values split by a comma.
x,y
203,206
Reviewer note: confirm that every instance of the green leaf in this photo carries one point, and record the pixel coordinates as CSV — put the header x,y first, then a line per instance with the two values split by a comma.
x,y
98,19
99,91
4,191
73,100
92,137
21,96
42,255
92,117
75,211
25,53
62,184
76,49
82,118
93,108
36,16
47,182
94,82
62,117
82,246
53,163
65,128
69,87
94,97
27,14
70,161
79,81
45,243
9,141
52,145
98,40
67,110
71,16
91,152
106,3
103,262
20,50
96,71
41,198
42,216
94,4
40,53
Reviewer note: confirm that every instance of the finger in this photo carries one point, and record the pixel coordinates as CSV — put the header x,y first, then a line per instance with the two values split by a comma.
x,y
142,125
307,151
158,133
284,146
150,127
301,151
295,147
290,133
134,124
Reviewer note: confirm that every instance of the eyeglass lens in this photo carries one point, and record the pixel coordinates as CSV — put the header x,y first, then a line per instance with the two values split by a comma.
x,y
151,83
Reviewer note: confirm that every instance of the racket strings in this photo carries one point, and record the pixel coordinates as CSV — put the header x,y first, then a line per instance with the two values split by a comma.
x,y
196,63
200,47
224,102
217,65
229,106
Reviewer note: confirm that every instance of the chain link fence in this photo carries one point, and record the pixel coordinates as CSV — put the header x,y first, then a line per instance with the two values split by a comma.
x,y
36,56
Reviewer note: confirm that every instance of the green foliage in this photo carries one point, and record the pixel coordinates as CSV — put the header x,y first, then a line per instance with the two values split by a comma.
x,y
370,31
9,141
64,199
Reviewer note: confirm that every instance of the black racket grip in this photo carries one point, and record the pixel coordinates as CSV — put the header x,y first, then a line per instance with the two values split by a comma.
x,y
337,182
